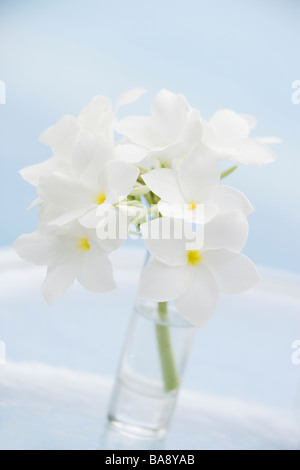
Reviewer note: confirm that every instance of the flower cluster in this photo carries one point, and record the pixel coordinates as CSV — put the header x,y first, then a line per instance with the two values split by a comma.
x,y
158,176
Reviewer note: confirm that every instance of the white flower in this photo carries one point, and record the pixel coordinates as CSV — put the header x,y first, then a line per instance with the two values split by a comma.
x,y
70,253
193,192
172,131
74,141
227,134
195,276
92,189
70,197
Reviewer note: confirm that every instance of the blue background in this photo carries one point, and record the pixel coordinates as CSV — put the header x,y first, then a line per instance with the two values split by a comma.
x,y
56,55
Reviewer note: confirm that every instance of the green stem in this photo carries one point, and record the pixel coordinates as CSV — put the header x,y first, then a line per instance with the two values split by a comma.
x,y
132,232
142,168
168,365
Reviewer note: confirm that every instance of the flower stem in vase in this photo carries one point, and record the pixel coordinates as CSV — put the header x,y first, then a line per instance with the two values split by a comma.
x,y
168,365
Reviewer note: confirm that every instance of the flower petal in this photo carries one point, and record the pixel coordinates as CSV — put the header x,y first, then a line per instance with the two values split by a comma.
x,y
166,240
70,216
130,96
192,131
228,125
35,202
58,280
226,231
229,199
96,273
91,153
130,153
161,283
118,179
247,152
91,219
64,191
164,183
234,272
139,130
202,214
169,113
168,152
269,140
251,120
33,173
48,212
97,116
199,302
42,249
199,171
61,137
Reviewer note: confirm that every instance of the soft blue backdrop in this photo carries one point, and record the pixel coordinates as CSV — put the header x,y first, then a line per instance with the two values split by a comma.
x,y
56,55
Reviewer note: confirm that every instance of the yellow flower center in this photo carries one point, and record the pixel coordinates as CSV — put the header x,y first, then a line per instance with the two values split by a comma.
x,y
83,244
192,205
194,257
100,198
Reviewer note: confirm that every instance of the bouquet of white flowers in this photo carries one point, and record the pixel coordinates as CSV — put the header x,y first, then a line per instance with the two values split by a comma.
x,y
161,180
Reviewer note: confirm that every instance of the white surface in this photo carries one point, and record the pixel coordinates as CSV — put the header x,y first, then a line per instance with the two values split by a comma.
x,y
241,389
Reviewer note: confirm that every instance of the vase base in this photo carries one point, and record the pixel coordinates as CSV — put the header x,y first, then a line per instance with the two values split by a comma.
x,y
138,432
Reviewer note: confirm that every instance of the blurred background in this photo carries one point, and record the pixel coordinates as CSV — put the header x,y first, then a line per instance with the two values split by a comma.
x,y
55,56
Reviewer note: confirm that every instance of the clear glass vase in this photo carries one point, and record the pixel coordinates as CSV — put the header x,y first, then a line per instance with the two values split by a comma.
x,y
150,373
